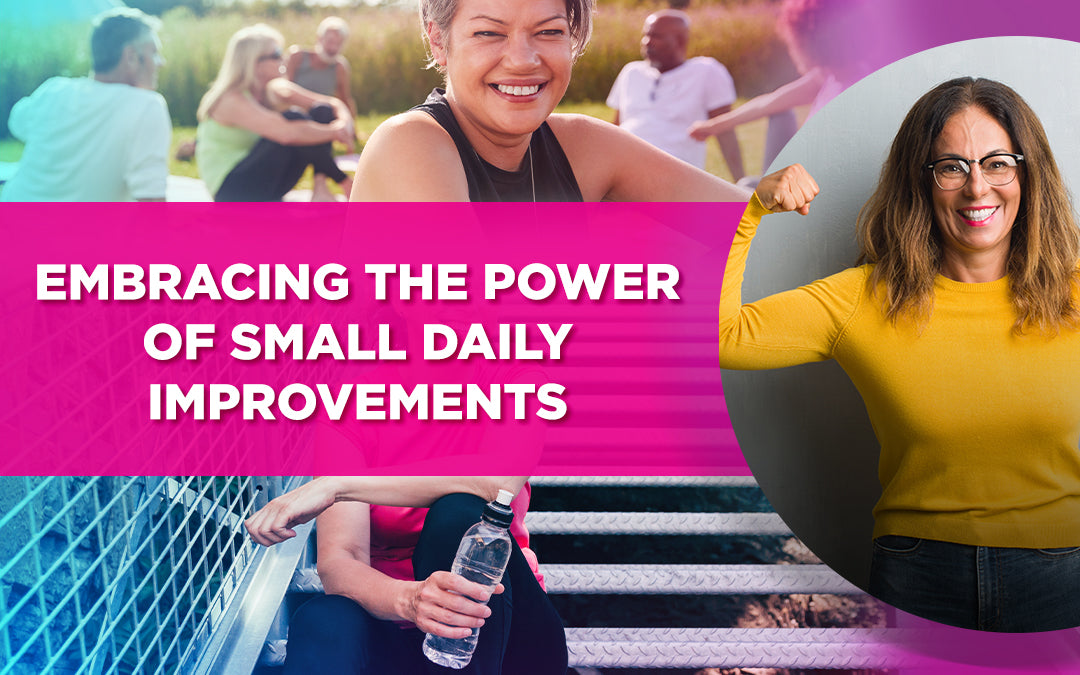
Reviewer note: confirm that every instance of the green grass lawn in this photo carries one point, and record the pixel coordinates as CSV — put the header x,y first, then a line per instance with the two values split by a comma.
x,y
751,140
10,150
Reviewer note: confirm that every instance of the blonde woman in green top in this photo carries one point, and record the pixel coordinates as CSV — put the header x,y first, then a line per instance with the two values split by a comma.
x,y
254,142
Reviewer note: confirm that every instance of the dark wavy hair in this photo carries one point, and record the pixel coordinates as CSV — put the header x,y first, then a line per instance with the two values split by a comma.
x,y
896,226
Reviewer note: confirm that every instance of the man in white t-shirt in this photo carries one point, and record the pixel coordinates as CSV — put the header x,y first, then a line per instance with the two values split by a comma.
x,y
102,138
659,98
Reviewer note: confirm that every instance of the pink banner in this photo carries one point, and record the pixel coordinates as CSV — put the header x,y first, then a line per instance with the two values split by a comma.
x,y
213,339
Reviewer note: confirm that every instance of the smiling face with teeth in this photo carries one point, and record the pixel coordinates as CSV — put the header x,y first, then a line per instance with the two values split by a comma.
x,y
975,222
507,65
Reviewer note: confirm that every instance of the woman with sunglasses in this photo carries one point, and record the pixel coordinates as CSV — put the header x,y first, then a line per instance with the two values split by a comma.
x,y
961,334
490,135
253,144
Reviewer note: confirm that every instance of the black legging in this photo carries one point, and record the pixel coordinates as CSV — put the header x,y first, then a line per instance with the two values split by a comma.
x,y
272,169
523,636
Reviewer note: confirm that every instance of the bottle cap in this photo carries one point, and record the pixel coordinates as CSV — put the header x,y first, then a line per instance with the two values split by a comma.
x,y
499,512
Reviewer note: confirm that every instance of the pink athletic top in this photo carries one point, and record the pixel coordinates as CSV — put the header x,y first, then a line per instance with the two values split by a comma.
x,y
395,531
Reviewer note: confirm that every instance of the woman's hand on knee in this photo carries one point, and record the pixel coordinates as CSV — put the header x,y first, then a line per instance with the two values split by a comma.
x,y
346,134
789,189
441,605
273,523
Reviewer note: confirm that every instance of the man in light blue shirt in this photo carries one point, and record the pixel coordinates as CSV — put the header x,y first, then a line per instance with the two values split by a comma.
x,y
100,138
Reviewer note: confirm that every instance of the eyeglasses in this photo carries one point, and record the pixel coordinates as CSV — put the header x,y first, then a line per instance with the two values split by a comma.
x,y
952,173
272,56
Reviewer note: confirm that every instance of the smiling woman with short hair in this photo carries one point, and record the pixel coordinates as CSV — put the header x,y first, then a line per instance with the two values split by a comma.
x,y
490,135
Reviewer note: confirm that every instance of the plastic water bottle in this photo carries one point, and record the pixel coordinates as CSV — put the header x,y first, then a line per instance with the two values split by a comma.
x,y
481,557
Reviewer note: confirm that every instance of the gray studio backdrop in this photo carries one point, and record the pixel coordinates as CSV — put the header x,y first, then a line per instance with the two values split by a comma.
x,y
804,430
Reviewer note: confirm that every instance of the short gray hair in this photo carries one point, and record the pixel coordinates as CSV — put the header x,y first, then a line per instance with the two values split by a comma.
x,y
333,23
116,29
441,13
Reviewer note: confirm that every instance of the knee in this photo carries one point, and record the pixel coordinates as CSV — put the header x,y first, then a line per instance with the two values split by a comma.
x,y
445,523
322,113
457,512
326,629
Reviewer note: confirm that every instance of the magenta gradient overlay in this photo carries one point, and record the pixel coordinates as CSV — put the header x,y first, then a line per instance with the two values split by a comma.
x,y
642,388
923,647
899,28
74,376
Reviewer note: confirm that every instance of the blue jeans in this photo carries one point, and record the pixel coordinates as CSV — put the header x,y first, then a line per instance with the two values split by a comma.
x,y
1008,590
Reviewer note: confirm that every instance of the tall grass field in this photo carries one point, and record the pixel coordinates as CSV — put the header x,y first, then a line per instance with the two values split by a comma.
x,y
386,53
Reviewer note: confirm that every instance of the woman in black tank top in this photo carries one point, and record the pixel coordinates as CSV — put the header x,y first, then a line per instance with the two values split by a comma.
x,y
490,135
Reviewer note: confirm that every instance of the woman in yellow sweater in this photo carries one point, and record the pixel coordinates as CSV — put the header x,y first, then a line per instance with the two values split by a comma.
x,y
961,334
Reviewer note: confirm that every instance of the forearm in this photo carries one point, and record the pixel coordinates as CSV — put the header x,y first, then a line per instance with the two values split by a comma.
x,y
382,596
341,109
642,173
683,183
729,147
284,94
417,491
306,132
799,92
273,523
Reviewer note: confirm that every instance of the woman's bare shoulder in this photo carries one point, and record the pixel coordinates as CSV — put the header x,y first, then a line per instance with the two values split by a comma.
x,y
574,128
409,157
592,147
411,124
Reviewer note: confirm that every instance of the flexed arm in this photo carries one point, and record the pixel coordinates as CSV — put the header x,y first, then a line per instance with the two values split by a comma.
x,y
789,328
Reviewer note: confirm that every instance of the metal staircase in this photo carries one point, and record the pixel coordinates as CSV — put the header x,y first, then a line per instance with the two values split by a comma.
x,y
674,647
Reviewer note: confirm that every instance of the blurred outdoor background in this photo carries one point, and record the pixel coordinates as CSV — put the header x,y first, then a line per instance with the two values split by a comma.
x,y
384,51
39,41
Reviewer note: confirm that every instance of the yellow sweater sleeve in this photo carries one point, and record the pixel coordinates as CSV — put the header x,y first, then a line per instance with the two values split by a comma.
x,y
789,328
978,427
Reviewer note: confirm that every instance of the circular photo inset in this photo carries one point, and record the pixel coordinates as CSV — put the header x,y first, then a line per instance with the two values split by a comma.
x,y
904,379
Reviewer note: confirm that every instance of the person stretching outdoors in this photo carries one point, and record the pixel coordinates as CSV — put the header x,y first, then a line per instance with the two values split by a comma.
x,y
659,98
